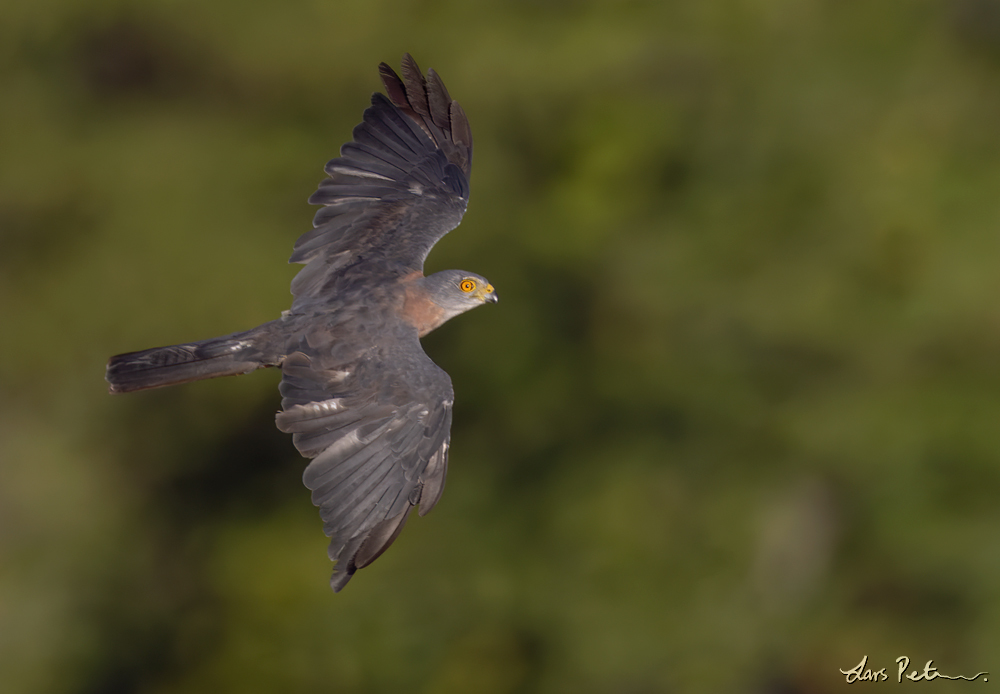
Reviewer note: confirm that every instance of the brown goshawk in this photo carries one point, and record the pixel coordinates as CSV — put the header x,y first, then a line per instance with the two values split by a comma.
x,y
359,394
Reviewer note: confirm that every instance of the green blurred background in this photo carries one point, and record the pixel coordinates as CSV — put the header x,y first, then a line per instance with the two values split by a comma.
x,y
734,425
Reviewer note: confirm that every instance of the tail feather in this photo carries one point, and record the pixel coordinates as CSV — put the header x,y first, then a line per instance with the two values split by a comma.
x,y
239,353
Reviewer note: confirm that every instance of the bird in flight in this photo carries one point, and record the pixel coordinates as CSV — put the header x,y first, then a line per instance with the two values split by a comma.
x,y
359,395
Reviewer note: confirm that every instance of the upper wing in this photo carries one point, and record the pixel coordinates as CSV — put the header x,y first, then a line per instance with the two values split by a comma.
x,y
401,185
378,433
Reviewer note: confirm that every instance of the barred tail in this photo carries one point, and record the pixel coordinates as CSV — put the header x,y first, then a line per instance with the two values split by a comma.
x,y
239,353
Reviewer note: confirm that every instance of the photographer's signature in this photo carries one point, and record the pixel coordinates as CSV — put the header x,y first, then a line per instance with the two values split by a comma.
x,y
862,673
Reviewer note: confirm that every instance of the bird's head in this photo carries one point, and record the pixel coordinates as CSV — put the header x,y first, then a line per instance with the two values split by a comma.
x,y
457,291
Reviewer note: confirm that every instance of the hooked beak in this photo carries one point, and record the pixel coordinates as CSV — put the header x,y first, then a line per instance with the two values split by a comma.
x,y
490,296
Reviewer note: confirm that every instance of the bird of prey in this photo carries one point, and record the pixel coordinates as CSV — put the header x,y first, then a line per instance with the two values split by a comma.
x,y
359,395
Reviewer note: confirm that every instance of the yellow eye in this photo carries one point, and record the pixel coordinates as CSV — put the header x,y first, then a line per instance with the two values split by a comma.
x,y
467,285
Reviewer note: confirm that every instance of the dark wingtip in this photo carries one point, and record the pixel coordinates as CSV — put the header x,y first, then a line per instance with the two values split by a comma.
x,y
339,579
426,100
460,130
439,101
394,86
416,85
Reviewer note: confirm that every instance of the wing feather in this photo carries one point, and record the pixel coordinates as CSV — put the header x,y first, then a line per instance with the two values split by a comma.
x,y
381,536
438,101
357,501
373,458
394,191
435,473
414,85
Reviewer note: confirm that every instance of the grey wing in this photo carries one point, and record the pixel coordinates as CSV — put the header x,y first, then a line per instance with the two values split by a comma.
x,y
377,432
398,187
